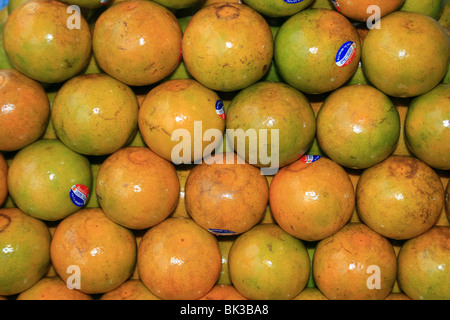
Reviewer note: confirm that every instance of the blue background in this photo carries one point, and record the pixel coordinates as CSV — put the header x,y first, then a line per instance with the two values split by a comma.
x,y
3,3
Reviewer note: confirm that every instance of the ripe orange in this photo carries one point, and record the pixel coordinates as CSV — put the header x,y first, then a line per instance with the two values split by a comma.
x,y
227,46
93,253
95,114
223,292
132,289
52,288
266,263
226,198
3,179
174,119
125,38
24,251
25,110
400,197
312,201
359,10
423,263
179,260
136,188
356,263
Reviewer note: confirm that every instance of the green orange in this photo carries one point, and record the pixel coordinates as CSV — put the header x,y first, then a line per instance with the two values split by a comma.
x,y
24,251
356,263
358,126
137,42
49,181
46,43
400,198
317,50
95,114
432,8
427,127
266,263
276,8
227,46
92,253
423,264
406,57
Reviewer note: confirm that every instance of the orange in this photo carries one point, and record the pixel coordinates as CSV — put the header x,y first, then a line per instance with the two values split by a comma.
x,y
263,110
52,288
359,10
24,251
93,253
227,46
175,119
179,4
95,114
423,263
46,41
266,263
427,127
132,289
223,292
407,56
137,42
312,201
136,188
49,181
432,8
358,126
226,198
310,294
3,179
179,260
24,116
317,50
356,263
275,8
400,197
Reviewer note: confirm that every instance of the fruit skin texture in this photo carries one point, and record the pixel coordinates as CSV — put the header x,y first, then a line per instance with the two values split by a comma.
x,y
179,260
341,264
357,10
407,56
25,254
223,292
227,46
432,8
178,104
25,110
272,106
95,114
3,179
40,44
427,127
400,197
266,263
132,289
137,42
358,126
136,188
104,251
306,47
423,264
312,201
179,4
228,196
52,288
40,178
275,8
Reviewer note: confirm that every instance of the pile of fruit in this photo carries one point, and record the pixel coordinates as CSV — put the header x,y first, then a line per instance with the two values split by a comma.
x,y
120,177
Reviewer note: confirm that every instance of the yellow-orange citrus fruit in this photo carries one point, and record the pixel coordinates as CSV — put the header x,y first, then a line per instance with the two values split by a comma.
x,y
132,289
223,292
52,288
362,10
136,188
179,260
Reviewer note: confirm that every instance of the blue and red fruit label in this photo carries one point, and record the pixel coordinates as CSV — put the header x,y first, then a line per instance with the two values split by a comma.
x,y
293,1
336,5
309,158
346,54
222,232
220,109
79,194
